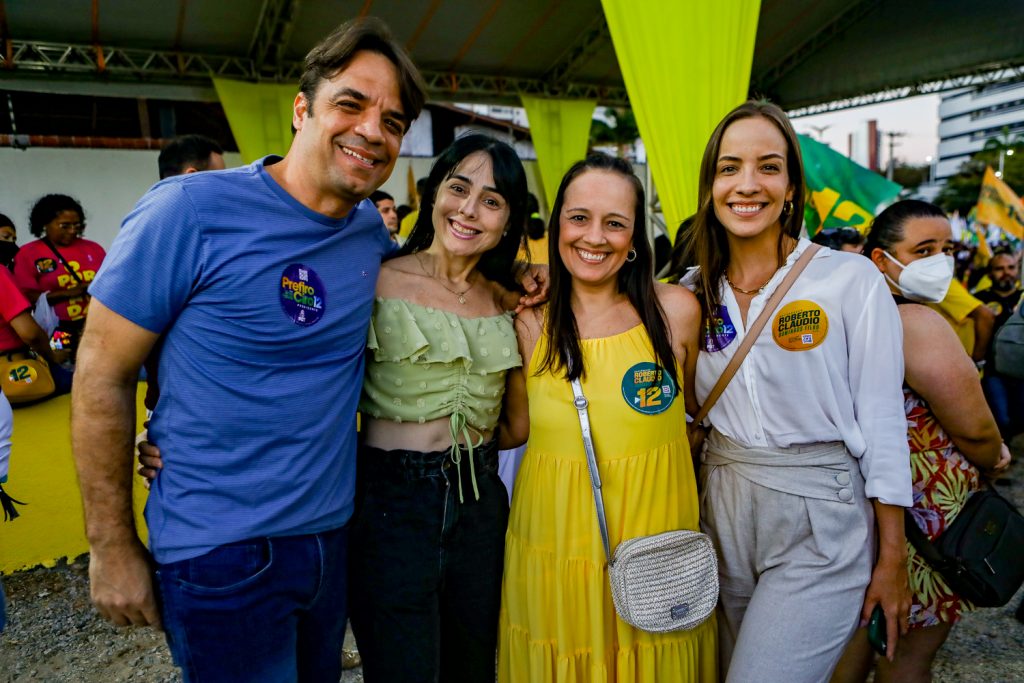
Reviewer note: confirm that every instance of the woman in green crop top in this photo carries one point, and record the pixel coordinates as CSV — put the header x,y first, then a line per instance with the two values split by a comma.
x,y
429,528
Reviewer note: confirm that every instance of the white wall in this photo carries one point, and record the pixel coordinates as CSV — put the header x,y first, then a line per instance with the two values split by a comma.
x,y
108,182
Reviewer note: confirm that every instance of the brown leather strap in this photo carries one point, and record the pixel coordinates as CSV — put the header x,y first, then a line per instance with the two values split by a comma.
x,y
755,330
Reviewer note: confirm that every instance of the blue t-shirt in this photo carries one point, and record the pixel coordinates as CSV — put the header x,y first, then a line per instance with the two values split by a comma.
x,y
265,306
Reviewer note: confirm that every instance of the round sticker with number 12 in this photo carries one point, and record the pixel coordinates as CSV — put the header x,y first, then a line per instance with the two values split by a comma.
x,y
648,389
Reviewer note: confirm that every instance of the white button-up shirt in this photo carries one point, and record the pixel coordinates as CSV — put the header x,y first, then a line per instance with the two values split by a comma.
x,y
828,366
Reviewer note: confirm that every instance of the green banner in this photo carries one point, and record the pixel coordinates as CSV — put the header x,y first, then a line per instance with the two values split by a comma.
x,y
839,191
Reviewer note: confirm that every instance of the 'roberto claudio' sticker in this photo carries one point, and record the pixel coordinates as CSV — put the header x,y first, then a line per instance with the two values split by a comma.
x,y
800,325
719,331
648,389
303,295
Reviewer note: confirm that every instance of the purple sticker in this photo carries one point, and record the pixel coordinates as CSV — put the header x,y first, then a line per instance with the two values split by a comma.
x,y
719,331
303,295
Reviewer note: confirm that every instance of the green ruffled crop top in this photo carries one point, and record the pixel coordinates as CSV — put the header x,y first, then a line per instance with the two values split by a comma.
x,y
428,363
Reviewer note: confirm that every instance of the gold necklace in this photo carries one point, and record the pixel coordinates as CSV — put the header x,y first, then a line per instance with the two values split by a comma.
x,y
461,295
749,291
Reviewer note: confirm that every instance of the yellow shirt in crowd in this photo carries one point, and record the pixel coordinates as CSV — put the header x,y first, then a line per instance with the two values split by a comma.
x,y
956,309
407,223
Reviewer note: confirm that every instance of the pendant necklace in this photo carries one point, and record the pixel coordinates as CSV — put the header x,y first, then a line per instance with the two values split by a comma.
x,y
461,295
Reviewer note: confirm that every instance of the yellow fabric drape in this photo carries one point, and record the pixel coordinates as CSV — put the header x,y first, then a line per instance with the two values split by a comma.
x,y
560,130
685,65
260,115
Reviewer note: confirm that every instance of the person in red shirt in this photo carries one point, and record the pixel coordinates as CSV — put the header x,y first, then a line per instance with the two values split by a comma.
x,y
60,264
19,331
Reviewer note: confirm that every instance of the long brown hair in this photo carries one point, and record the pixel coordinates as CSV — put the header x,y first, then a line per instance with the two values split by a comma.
x,y
635,279
705,243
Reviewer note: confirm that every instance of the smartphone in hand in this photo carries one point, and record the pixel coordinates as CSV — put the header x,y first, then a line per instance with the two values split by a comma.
x,y
877,635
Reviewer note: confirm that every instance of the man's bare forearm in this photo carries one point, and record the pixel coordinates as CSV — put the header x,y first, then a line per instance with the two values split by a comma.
x,y
102,428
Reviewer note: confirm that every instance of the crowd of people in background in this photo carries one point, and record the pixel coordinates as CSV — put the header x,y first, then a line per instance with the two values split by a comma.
x,y
872,390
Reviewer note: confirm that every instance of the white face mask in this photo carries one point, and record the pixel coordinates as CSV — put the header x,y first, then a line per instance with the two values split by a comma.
x,y
925,280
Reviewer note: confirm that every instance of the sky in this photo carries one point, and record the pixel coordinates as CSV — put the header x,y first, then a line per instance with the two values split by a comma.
x,y
918,117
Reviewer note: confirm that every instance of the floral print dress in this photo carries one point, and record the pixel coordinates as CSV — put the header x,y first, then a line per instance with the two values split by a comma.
x,y
943,480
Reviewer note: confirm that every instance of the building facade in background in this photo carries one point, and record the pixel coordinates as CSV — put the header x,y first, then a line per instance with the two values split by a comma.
x,y
969,117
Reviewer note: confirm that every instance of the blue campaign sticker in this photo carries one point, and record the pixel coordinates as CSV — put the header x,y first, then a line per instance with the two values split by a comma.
x,y
648,389
303,295
719,331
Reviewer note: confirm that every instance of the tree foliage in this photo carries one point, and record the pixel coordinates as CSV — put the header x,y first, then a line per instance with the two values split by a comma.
x,y
910,176
961,191
620,134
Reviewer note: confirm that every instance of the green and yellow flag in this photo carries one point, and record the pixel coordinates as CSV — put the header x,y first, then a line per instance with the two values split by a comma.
x,y
1000,205
839,191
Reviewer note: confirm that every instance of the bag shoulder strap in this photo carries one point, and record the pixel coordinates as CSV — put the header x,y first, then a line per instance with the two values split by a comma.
x,y
60,257
920,541
755,330
580,401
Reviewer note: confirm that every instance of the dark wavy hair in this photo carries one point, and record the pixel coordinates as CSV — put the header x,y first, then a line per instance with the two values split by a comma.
x,y
705,243
635,279
496,264
887,228
332,54
48,207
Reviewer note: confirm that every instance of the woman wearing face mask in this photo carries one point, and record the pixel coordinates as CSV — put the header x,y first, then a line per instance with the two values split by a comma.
x,y
808,438
952,435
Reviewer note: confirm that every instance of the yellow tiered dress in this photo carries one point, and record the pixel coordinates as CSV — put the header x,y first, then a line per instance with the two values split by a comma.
x,y
558,623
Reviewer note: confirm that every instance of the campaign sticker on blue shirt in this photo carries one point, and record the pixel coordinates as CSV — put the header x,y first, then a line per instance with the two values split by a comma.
x,y
719,331
648,389
303,295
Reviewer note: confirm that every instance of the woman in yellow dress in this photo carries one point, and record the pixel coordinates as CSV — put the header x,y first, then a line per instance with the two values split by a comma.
x,y
633,342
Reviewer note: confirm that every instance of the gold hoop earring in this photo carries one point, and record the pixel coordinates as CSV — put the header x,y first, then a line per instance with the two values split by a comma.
x,y
787,208
631,256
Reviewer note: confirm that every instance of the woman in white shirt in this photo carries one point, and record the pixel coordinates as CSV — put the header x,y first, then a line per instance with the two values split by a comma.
x,y
808,446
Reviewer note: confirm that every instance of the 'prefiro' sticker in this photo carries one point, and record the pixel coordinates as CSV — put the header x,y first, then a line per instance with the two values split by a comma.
x,y
303,295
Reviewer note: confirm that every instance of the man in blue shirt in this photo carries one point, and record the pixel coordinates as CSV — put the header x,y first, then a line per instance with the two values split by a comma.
x,y
261,279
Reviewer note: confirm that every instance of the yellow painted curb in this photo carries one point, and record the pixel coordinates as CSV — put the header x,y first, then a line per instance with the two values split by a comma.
x,y
42,474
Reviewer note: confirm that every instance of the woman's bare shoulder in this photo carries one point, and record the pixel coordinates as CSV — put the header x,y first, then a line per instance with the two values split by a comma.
x,y
398,277
677,301
925,329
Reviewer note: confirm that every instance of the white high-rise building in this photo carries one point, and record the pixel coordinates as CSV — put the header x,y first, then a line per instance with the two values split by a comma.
x,y
969,117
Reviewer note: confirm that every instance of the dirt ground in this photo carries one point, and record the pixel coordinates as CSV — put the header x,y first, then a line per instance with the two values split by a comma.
x,y
54,635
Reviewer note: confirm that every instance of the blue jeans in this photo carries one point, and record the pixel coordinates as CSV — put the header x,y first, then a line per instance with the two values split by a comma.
x,y
1005,397
265,609
425,568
